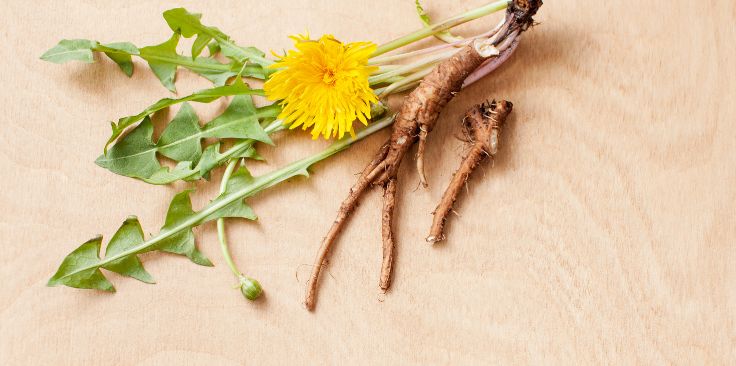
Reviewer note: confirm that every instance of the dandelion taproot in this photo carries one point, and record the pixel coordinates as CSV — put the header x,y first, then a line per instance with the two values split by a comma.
x,y
323,85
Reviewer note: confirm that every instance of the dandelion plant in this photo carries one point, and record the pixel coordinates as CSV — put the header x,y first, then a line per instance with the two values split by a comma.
x,y
333,89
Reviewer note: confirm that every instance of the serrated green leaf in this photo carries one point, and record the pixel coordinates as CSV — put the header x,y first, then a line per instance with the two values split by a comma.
x,y
188,25
202,96
164,71
129,235
182,242
214,48
220,77
240,120
134,155
71,50
122,53
210,160
239,180
199,44
80,269
250,153
444,36
165,175
181,140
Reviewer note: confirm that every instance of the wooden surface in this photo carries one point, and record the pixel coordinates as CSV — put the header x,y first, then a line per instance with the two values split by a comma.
x,y
603,235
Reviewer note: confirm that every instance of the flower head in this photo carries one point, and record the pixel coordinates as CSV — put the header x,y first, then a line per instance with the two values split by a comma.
x,y
323,84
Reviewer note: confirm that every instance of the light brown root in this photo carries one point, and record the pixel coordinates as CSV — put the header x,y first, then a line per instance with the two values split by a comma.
x,y
483,123
346,208
389,202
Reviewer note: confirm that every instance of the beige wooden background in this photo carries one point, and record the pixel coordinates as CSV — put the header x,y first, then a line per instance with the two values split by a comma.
x,y
603,235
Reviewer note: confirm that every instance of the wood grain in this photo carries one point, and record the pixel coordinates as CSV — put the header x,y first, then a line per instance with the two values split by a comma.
x,y
604,234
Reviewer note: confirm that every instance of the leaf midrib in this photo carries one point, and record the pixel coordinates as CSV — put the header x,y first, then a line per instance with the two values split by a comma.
x,y
67,52
184,61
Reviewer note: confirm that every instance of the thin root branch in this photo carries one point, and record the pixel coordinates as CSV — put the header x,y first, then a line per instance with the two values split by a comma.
x,y
389,202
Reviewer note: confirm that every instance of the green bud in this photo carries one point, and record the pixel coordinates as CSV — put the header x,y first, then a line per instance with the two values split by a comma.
x,y
250,288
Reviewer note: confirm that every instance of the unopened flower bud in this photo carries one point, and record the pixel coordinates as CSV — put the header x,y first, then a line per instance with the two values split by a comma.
x,y
250,288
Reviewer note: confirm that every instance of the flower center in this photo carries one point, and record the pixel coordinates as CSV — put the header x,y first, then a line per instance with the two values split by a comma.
x,y
329,77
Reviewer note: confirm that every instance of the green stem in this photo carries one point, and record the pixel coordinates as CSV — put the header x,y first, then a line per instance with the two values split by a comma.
x,y
221,221
421,64
442,26
408,80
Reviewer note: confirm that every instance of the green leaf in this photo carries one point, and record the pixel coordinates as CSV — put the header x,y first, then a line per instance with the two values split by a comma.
x,y
122,53
240,120
182,171
202,96
181,242
238,181
199,44
250,153
80,268
164,71
71,50
125,238
211,158
214,48
188,25
165,58
221,76
445,36
181,140
134,155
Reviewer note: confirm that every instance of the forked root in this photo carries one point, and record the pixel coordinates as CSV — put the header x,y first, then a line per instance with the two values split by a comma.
x,y
347,207
415,120
483,125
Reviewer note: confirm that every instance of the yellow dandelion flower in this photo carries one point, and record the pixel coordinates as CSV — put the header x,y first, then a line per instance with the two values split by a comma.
x,y
323,84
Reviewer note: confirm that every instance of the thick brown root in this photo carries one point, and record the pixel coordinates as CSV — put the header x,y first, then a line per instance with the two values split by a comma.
x,y
483,125
415,120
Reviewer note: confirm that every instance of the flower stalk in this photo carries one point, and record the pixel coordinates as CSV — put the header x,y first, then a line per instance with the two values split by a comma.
x,y
441,27
250,287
